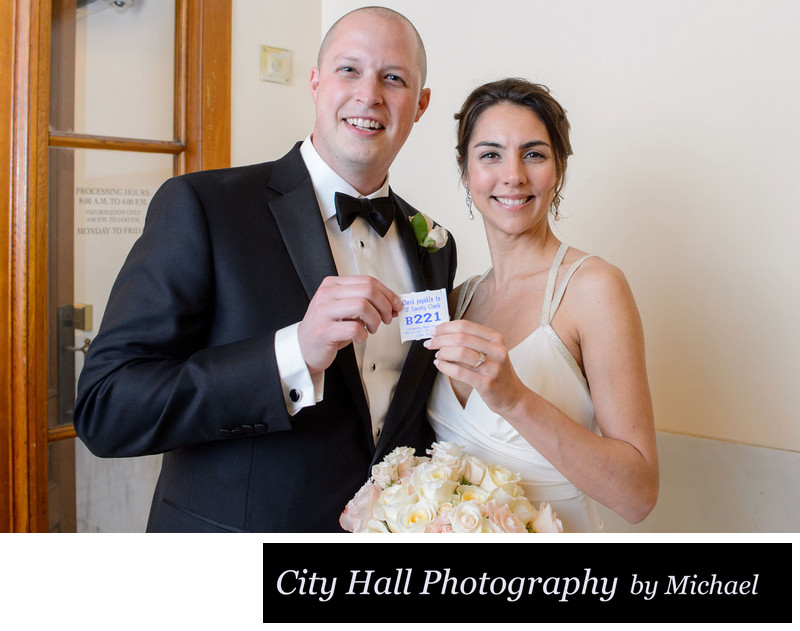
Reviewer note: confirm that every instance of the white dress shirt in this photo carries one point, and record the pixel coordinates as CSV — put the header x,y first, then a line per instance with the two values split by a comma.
x,y
359,250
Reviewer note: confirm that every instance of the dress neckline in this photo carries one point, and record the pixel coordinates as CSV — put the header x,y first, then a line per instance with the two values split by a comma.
x,y
552,300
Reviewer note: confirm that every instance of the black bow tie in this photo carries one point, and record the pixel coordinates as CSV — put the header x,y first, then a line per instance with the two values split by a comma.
x,y
379,212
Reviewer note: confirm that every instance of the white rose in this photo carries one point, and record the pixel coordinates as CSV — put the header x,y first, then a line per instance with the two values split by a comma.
x,y
433,482
374,526
439,236
448,454
391,503
467,517
547,520
436,236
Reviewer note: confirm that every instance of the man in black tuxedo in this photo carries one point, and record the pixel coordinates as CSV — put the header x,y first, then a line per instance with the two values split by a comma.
x,y
251,336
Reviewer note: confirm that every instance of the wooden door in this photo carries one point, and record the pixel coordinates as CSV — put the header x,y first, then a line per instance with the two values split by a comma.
x,y
36,273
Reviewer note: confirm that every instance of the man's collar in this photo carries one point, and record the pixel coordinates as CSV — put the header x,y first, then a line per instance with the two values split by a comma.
x,y
327,182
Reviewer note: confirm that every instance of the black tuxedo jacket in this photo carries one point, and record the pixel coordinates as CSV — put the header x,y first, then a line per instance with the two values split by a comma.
x,y
184,363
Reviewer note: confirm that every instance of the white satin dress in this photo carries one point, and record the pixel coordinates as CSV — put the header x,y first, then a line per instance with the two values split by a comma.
x,y
545,366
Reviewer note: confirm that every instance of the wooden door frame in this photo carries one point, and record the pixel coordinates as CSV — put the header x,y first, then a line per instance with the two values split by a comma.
x,y
202,115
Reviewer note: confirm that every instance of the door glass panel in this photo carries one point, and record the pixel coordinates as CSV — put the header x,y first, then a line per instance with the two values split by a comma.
x,y
124,68
98,204
111,193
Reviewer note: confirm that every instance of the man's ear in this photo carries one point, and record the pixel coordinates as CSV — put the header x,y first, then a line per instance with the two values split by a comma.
x,y
313,83
423,103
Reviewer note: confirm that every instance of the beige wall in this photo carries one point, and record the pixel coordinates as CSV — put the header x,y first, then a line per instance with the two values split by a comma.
x,y
268,118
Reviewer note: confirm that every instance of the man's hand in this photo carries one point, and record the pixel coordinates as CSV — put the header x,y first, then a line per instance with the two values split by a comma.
x,y
343,310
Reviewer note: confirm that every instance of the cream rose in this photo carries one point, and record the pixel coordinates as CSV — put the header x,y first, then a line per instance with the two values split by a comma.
x,y
472,493
497,476
523,509
473,470
415,517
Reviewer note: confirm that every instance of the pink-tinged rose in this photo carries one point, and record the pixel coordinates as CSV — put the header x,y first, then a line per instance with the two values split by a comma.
x,y
547,520
359,510
504,518
396,466
467,517
440,525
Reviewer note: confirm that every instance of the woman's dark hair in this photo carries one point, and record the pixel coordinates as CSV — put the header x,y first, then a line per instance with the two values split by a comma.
x,y
520,92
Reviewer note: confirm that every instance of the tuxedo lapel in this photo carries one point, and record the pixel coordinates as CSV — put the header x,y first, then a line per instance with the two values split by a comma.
x,y
413,252
299,220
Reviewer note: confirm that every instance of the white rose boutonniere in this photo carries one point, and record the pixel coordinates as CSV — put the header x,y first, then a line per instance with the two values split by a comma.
x,y
430,236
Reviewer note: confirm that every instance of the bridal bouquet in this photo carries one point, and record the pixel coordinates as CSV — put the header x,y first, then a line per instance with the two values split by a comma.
x,y
450,491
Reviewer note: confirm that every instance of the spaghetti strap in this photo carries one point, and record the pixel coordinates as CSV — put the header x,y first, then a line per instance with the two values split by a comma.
x,y
563,287
551,284
552,298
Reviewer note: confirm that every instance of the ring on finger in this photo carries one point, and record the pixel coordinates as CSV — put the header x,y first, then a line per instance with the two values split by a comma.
x,y
480,361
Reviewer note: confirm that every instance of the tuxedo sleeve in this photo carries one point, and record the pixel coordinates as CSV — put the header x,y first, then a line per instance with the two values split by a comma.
x,y
154,379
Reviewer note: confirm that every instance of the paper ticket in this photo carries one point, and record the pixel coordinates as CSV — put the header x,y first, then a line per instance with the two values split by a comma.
x,y
422,312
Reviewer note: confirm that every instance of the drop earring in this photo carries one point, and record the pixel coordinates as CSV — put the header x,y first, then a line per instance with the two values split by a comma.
x,y
554,206
469,205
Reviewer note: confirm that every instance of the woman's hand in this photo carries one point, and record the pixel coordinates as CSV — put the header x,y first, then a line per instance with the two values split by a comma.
x,y
477,356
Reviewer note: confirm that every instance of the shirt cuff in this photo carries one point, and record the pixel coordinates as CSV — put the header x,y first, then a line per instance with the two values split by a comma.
x,y
300,389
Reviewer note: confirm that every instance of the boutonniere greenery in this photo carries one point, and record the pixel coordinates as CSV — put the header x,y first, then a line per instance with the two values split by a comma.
x,y
429,235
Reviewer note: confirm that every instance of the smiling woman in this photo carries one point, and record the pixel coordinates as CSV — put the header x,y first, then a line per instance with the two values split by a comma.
x,y
562,399
510,169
